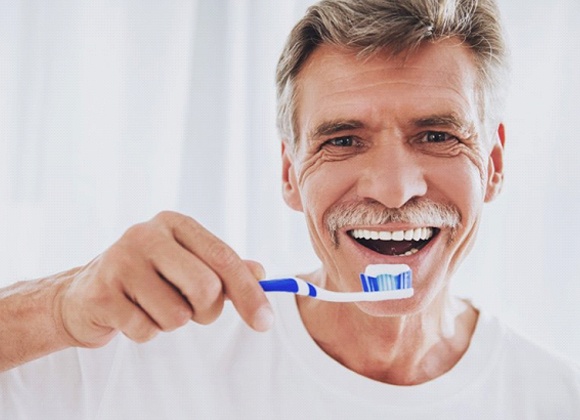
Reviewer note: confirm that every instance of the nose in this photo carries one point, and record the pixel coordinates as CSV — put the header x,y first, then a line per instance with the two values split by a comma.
x,y
392,175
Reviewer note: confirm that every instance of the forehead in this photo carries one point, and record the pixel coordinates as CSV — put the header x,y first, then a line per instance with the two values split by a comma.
x,y
380,90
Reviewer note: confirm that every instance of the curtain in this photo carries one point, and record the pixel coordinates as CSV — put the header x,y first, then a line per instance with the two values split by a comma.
x,y
111,111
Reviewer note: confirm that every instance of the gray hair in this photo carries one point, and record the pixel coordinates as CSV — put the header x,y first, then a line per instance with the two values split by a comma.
x,y
397,26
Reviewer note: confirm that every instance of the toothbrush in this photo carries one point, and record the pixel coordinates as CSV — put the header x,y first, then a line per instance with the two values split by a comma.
x,y
379,282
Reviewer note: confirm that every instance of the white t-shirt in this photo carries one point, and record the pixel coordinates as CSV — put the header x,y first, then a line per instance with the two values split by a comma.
x,y
228,371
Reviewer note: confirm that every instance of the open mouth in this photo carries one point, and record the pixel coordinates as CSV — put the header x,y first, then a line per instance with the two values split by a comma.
x,y
395,243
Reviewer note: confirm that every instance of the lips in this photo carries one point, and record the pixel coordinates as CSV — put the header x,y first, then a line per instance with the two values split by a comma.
x,y
395,242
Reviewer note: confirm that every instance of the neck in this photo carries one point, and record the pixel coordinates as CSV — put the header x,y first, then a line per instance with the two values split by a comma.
x,y
401,350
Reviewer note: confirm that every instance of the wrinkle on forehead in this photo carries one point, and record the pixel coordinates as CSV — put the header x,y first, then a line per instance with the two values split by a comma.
x,y
332,73
446,50
397,75
374,86
361,80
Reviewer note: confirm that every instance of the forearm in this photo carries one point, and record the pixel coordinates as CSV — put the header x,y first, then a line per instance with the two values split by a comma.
x,y
30,326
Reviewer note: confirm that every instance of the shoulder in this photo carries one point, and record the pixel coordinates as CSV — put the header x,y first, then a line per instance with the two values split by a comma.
x,y
529,370
521,351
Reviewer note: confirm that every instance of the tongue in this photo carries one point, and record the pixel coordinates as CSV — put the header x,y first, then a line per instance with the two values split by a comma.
x,y
388,247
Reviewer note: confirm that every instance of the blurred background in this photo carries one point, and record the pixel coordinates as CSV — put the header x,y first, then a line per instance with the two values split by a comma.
x,y
111,111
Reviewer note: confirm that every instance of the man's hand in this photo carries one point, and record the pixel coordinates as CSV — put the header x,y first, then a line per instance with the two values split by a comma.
x,y
156,277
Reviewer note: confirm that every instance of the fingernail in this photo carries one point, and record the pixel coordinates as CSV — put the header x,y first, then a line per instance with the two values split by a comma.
x,y
264,319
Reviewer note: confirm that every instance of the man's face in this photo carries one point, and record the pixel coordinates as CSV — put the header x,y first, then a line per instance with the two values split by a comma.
x,y
391,147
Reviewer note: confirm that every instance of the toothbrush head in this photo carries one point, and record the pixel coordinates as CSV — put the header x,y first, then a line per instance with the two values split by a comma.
x,y
386,277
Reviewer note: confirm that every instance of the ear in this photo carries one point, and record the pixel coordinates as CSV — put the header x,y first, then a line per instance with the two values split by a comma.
x,y
495,166
290,190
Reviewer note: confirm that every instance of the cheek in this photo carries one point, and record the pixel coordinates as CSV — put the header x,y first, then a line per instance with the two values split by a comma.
x,y
322,188
460,180
479,163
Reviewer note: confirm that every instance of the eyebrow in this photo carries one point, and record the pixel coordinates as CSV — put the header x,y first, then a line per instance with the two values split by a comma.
x,y
451,120
328,128
445,120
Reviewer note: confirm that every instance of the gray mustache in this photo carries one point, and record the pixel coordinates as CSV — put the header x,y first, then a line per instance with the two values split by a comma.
x,y
417,211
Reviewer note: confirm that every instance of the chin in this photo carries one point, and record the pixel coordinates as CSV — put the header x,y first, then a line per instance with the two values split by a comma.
x,y
389,308
396,308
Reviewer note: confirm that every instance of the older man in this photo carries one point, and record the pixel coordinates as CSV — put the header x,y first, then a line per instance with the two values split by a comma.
x,y
390,116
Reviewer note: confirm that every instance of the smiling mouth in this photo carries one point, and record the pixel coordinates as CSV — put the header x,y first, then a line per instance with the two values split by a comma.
x,y
394,243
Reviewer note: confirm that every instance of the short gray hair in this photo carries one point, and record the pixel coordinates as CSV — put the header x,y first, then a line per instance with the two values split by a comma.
x,y
398,26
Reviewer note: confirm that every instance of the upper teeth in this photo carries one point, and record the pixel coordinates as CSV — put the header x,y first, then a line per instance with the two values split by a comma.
x,y
397,235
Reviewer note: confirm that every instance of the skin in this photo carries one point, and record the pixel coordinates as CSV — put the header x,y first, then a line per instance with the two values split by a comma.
x,y
158,276
385,113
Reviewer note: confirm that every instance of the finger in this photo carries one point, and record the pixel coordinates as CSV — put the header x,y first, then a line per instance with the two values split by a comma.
x,y
162,302
256,269
195,281
239,283
130,319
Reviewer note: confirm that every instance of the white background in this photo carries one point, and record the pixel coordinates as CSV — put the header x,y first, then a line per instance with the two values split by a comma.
x,y
111,111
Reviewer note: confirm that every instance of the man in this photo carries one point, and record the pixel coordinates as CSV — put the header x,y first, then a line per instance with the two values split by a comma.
x,y
390,116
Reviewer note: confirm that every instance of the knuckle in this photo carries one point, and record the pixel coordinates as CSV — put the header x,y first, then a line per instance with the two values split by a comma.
x,y
137,233
116,261
172,219
180,218
142,241
210,314
116,269
221,256
178,317
139,329
144,336
167,217
209,291
204,294
136,241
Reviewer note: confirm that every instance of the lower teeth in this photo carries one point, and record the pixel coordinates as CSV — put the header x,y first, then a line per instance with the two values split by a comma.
x,y
410,252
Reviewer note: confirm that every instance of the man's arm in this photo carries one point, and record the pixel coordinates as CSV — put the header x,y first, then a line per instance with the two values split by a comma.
x,y
28,326
156,277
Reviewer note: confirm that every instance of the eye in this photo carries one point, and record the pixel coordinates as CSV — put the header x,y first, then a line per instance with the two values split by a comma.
x,y
346,141
437,137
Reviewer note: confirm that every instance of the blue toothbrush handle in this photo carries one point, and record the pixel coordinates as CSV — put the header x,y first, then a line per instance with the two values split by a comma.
x,y
289,285
280,285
